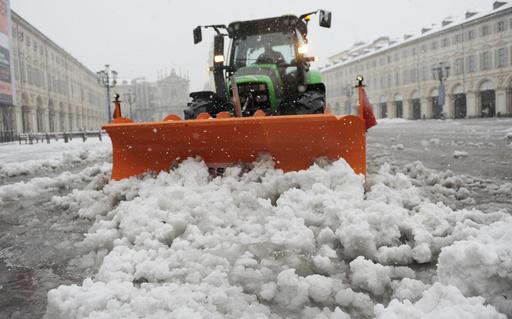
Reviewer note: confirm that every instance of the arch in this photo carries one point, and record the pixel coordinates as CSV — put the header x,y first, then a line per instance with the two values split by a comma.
x,y
434,92
383,99
398,97
414,95
508,81
485,85
457,88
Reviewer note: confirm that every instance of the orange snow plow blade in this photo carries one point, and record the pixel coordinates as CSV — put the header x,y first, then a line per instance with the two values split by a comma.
x,y
294,142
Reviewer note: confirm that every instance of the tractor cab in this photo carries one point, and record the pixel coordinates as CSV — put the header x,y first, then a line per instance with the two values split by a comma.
x,y
267,62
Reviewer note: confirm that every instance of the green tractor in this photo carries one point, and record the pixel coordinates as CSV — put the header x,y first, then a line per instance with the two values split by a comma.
x,y
268,63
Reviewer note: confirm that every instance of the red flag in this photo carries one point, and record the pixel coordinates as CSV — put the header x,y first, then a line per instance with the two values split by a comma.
x,y
365,109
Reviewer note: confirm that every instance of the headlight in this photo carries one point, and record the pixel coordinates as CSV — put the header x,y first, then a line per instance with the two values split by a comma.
x,y
303,49
218,59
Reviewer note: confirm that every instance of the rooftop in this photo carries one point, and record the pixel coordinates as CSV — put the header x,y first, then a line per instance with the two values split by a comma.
x,y
362,50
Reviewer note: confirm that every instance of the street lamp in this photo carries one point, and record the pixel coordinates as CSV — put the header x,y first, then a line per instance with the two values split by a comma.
x,y
108,79
441,73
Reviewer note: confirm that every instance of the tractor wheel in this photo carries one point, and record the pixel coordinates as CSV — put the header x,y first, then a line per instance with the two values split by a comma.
x,y
312,102
196,107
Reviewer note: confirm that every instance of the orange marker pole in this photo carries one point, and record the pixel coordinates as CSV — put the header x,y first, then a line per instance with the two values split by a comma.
x,y
117,109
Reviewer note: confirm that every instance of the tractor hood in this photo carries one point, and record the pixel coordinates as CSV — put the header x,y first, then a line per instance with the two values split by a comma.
x,y
267,74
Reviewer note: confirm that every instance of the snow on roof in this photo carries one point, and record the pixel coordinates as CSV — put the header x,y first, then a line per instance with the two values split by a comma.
x,y
447,24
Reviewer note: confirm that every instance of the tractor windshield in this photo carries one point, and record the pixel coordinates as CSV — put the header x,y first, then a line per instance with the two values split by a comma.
x,y
266,48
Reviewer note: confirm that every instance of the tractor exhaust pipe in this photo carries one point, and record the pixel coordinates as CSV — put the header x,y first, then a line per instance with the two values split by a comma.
x,y
236,97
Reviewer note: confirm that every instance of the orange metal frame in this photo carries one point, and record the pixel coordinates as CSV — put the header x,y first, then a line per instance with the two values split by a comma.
x,y
294,142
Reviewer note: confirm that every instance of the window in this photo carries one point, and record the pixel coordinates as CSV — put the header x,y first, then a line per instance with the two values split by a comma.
x,y
458,66
397,57
500,26
406,77
414,75
425,73
424,48
485,61
457,39
471,34
471,63
484,31
397,79
434,45
501,57
404,54
445,42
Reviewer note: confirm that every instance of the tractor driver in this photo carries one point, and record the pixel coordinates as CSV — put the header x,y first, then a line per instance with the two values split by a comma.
x,y
269,56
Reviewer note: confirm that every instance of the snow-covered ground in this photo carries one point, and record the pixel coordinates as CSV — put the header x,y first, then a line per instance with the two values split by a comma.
x,y
264,244
22,159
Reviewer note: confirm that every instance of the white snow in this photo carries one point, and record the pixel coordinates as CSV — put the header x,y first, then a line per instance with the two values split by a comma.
x,y
460,154
392,121
439,302
26,159
308,244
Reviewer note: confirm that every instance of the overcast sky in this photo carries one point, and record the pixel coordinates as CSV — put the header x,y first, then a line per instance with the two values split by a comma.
x,y
140,37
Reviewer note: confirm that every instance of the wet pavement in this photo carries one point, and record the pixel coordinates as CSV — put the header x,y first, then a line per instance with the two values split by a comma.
x,y
36,244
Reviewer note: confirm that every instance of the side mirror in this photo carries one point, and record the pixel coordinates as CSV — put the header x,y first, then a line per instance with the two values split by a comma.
x,y
218,50
198,36
325,18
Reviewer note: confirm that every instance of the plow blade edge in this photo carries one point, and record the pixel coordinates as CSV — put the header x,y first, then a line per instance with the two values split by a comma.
x,y
294,142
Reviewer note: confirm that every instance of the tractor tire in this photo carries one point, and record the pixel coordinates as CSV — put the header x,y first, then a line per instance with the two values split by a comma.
x,y
312,102
196,107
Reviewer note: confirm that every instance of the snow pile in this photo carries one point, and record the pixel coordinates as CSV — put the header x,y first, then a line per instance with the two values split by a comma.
x,y
508,134
308,244
39,185
393,121
482,265
18,160
439,302
460,154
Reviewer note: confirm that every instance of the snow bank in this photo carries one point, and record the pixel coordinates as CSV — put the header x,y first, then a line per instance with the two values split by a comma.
x,y
392,121
308,244
460,154
39,185
439,302
482,265
20,159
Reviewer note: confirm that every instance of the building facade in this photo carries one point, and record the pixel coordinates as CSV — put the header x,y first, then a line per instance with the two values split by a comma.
x,y
476,50
53,91
145,101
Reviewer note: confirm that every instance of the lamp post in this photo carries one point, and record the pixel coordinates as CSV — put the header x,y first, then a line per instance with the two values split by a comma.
x,y
441,73
108,79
